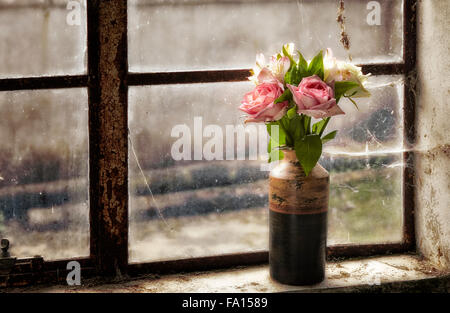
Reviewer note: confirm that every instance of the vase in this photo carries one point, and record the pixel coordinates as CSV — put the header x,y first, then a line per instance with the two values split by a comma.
x,y
298,206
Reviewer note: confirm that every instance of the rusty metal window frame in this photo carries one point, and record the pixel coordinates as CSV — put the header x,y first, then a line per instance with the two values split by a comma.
x,y
107,81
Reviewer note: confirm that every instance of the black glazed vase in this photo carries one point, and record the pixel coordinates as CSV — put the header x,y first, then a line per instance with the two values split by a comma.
x,y
298,208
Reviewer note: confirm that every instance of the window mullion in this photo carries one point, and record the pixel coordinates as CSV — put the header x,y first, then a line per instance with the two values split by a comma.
x,y
409,116
108,135
215,76
46,82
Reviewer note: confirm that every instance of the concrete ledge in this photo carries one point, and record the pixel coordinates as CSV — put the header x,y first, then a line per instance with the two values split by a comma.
x,y
396,273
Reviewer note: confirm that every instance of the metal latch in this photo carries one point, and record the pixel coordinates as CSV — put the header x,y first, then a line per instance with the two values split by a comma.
x,y
6,261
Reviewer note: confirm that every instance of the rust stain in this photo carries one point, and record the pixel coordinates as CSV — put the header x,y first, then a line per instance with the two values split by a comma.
x,y
108,27
345,40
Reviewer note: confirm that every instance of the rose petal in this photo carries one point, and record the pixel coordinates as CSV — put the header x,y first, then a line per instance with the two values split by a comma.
x,y
259,103
271,112
296,96
326,105
335,110
308,101
266,76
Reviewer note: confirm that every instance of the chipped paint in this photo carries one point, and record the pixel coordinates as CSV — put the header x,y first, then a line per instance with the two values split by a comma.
x,y
432,156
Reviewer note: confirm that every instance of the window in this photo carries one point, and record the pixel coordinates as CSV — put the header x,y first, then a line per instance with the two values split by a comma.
x,y
203,208
44,191
148,61
44,168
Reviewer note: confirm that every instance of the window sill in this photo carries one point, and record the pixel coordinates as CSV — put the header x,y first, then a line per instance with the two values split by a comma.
x,y
393,273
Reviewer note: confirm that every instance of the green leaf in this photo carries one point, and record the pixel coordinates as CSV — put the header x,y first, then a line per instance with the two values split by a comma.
x,y
293,63
275,155
302,64
285,96
268,126
329,136
296,128
281,140
316,66
289,77
353,101
319,127
275,143
295,74
284,125
292,112
308,151
340,88
353,93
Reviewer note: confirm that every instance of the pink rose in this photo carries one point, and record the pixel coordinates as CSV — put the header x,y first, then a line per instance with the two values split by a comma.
x,y
259,103
315,98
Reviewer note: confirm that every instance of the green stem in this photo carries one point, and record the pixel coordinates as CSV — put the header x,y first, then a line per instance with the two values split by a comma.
x,y
308,125
324,126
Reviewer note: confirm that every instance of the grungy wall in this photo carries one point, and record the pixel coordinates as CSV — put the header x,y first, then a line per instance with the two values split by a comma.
x,y
433,132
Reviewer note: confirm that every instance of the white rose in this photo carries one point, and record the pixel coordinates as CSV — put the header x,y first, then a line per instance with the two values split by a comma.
x,y
279,67
343,71
275,70
259,65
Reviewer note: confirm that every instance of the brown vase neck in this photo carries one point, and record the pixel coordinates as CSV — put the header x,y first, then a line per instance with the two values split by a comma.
x,y
291,161
292,192
289,155
290,166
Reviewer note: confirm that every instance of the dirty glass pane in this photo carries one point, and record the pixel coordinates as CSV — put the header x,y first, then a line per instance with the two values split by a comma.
x,y
173,35
366,203
199,207
44,173
42,37
377,123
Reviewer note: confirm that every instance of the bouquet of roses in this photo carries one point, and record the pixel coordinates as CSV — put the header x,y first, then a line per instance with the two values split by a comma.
x,y
290,92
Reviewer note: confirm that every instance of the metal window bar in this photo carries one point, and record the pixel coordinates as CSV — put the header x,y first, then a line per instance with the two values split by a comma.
x,y
108,150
